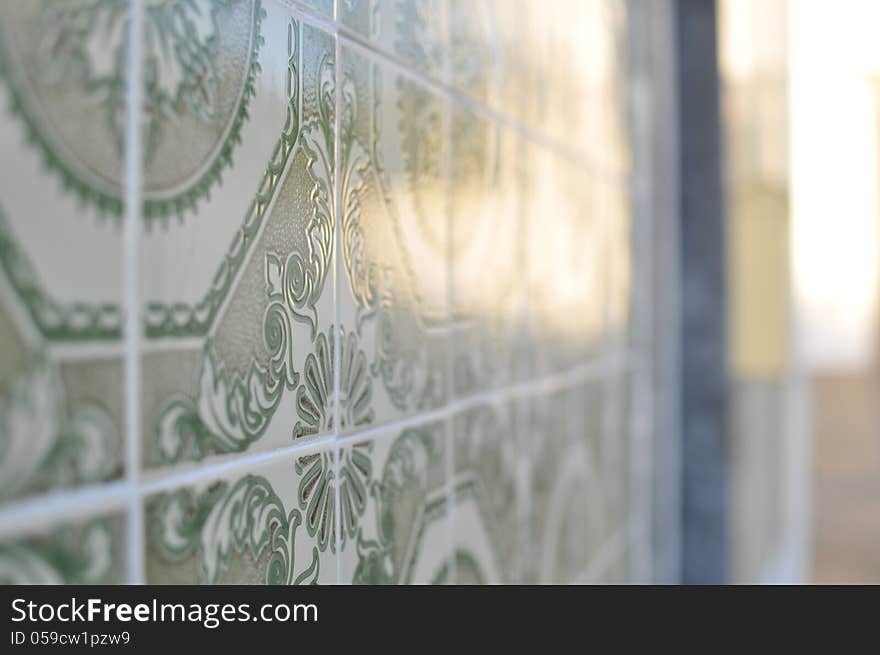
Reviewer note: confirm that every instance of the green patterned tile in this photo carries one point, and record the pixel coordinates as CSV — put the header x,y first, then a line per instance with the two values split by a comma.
x,y
487,542
566,514
472,257
413,31
393,508
393,284
567,265
472,49
274,524
87,551
60,250
238,290
488,302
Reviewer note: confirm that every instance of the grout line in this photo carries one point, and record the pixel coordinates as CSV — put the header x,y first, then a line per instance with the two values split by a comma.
x,y
337,319
542,386
62,504
90,350
131,299
233,465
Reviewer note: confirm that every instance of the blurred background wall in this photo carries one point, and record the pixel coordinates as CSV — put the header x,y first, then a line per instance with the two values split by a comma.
x,y
834,62
800,126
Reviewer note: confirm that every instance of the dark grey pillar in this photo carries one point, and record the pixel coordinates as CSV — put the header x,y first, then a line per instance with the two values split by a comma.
x,y
703,298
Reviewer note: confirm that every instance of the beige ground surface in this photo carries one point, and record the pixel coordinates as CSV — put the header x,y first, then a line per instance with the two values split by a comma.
x,y
846,411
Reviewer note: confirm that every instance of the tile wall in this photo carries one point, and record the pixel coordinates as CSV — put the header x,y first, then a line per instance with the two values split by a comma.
x,y
372,321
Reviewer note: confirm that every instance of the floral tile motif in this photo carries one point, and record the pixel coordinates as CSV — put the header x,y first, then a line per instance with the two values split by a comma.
x,y
413,31
393,281
567,262
86,552
60,198
489,319
566,514
487,540
274,524
393,508
240,311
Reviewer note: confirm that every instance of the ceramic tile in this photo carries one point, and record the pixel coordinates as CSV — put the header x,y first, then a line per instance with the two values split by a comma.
x,y
472,47
594,426
476,155
567,267
614,448
488,302
239,305
394,517
583,65
322,7
393,284
519,62
412,31
566,516
87,551
60,251
487,544
273,524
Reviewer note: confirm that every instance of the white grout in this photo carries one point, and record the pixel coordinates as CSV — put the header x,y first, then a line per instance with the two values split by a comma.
x,y
26,513
131,289
337,318
230,466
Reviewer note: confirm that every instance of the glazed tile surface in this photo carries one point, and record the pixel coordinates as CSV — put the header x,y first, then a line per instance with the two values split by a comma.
x,y
239,289
386,328
61,414
272,524
393,288
394,508
488,545
86,551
